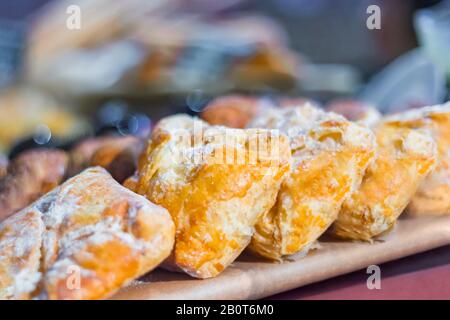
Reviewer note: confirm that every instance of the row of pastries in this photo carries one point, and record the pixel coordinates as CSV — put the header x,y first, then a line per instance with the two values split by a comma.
x,y
271,180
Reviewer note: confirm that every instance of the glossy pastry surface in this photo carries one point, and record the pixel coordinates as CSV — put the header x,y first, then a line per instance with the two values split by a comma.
x,y
405,157
433,195
330,156
214,188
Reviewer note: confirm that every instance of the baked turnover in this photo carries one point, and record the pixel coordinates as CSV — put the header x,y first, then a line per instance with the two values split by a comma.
x,y
214,184
330,156
405,157
433,195
84,240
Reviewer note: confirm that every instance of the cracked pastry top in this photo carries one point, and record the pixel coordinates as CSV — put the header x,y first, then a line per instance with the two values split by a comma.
x,y
84,240
330,156
433,195
405,157
216,182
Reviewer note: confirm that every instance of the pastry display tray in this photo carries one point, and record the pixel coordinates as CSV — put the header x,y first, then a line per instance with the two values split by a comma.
x,y
252,278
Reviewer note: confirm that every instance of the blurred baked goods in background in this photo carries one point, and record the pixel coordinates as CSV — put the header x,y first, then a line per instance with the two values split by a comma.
x,y
153,47
355,110
82,152
90,224
237,111
330,156
26,113
296,102
233,53
3,165
119,157
117,154
29,176
405,156
215,182
234,111
34,172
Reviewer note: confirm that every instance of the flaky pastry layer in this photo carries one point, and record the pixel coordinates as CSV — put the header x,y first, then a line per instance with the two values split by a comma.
x,y
405,157
214,195
433,195
330,156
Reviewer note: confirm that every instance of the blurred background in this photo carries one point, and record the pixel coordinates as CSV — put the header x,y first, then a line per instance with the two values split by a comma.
x,y
70,69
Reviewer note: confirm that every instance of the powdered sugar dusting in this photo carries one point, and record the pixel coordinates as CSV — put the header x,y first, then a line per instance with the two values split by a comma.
x,y
62,224
312,130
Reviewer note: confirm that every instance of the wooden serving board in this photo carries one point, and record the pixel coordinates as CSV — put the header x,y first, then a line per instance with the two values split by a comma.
x,y
253,278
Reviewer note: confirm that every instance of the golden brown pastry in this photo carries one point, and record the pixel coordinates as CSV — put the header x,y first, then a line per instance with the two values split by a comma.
x,y
215,182
84,240
26,109
244,52
234,111
3,165
330,157
269,66
433,195
102,21
32,174
405,157
251,53
357,111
